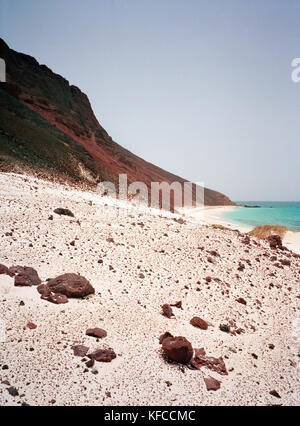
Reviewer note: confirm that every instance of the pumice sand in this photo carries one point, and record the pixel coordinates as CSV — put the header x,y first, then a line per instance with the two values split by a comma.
x,y
137,261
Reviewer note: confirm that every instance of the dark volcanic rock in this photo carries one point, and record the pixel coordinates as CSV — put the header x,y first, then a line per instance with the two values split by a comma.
x,y
241,300
103,355
96,332
199,323
178,349
212,384
271,346
275,241
225,328
13,391
241,267
275,393
64,212
31,325
25,276
71,285
167,310
215,364
80,350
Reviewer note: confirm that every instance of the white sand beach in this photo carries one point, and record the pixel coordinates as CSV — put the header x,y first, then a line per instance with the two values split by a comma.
x,y
137,260
213,215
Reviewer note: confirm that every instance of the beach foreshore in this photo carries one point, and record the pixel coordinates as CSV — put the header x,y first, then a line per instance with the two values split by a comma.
x,y
138,259
214,215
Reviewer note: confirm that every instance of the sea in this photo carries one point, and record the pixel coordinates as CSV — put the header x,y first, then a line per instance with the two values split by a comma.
x,y
268,213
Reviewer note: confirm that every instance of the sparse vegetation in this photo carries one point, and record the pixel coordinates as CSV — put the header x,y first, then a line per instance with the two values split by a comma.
x,y
264,231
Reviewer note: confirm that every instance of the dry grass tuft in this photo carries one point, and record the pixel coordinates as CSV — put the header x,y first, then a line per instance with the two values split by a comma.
x,y
264,231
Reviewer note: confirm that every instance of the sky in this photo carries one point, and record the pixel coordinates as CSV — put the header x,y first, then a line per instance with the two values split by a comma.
x,y
201,88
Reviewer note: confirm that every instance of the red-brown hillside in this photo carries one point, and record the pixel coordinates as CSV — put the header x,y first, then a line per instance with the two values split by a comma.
x,y
48,127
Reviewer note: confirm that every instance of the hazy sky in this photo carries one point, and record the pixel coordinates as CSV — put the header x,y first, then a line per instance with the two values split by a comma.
x,y
201,88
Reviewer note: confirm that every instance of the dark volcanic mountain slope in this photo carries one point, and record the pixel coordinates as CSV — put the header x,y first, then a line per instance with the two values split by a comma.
x,y
47,127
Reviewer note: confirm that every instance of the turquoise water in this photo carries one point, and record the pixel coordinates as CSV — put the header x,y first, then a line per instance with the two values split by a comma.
x,y
269,213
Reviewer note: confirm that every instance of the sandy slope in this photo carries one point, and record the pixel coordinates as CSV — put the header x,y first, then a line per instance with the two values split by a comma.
x,y
174,260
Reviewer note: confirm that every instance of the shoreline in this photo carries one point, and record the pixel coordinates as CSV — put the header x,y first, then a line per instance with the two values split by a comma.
x,y
212,215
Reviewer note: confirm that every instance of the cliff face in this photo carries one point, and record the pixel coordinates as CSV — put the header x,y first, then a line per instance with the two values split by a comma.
x,y
47,127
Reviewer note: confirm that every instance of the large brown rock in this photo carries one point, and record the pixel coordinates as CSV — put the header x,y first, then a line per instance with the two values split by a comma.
x,y
178,349
71,285
25,276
